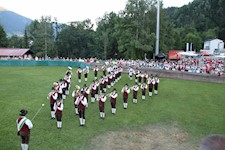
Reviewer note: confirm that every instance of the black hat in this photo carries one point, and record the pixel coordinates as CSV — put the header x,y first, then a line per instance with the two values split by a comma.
x,y
23,112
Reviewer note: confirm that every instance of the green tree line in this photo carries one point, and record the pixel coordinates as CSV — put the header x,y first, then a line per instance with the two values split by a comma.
x,y
128,34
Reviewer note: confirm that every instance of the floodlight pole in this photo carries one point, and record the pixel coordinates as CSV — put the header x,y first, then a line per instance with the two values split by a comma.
x,y
157,29
46,55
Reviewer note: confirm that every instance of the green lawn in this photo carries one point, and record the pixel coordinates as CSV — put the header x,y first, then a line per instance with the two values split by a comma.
x,y
197,107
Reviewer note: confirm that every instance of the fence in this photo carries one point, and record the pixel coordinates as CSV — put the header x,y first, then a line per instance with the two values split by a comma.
x,y
43,63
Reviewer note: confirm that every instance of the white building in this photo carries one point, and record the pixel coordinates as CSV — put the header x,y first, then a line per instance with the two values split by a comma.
x,y
214,45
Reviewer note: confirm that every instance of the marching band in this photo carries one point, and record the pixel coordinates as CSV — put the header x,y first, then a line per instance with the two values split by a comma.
x,y
97,90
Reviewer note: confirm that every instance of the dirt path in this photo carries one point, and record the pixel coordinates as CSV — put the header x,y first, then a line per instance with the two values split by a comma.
x,y
158,137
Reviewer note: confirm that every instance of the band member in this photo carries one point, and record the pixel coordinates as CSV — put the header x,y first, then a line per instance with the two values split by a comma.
x,y
97,89
137,72
69,71
113,97
139,78
135,89
23,127
86,92
105,83
93,88
67,79
145,77
125,90
101,103
81,101
64,86
95,72
102,82
86,71
59,89
151,83
75,94
104,70
130,73
52,96
156,84
143,89
58,107
79,71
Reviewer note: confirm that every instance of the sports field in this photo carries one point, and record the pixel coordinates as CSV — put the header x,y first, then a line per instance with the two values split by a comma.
x,y
177,118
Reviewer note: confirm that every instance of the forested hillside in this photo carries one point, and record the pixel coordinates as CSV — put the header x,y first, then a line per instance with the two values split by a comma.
x,y
128,34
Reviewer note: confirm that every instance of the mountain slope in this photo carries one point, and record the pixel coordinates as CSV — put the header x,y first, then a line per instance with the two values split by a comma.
x,y
13,23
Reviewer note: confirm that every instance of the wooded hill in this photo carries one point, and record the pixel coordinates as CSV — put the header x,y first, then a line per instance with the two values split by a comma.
x,y
128,34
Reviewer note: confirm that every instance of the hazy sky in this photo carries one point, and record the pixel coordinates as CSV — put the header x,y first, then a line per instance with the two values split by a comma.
x,y
72,10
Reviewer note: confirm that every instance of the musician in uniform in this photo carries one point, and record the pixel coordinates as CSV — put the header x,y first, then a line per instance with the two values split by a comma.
x,y
58,107
125,90
23,127
156,78
81,101
95,70
86,71
145,77
75,94
86,92
130,73
139,78
93,91
52,96
113,97
104,70
101,103
151,83
79,71
135,89
143,89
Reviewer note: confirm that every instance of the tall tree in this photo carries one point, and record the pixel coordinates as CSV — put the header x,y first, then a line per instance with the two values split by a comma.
x,y
3,38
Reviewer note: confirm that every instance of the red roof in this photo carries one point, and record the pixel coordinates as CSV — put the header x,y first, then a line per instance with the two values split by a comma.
x,y
12,51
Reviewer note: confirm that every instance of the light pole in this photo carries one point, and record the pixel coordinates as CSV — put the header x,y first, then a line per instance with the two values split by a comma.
x,y
157,29
46,55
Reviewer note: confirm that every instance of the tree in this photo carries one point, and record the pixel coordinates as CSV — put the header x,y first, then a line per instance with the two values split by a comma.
x,y
3,38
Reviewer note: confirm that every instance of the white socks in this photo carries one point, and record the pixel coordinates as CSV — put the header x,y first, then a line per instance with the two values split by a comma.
x,y
24,146
76,111
92,99
59,124
53,114
150,94
143,97
113,110
135,101
82,121
156,92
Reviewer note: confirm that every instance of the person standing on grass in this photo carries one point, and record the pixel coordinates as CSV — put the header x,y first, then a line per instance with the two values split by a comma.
x,y
104,70
125,90
135,89
75,94
151,83
101,103
145,77
58,107
95,70
86,92
113,97
93,88
156,85
79,71
86,71
143,89
23,127
81,102
52,96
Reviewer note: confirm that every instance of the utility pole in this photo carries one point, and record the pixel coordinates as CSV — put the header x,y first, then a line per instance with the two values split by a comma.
x,y
157,29
46,55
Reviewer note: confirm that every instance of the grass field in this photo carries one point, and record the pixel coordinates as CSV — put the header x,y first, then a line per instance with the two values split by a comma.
x,y
195,108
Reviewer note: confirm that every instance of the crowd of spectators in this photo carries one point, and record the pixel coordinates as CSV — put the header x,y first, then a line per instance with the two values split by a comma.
x,y
204,65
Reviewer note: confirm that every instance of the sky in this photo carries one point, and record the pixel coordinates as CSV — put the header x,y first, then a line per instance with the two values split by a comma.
x,y
72,10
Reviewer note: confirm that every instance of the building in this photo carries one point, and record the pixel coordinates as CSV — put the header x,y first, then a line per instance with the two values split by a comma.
x,y
214,45
15,53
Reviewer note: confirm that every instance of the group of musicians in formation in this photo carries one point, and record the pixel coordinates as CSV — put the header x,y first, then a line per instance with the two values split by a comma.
x,y
97,90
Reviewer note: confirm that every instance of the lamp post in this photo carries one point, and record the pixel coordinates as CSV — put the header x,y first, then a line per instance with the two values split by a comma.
x,y
157,28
